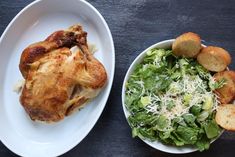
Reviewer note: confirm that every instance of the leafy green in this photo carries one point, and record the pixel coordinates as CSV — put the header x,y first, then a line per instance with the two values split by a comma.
x,y
203,143
170,105
203,116
160,72
195,109
187,134
207,105
218,84
162,123
190,120
212,129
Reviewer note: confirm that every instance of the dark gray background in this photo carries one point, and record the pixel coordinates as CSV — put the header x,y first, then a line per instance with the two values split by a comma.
x,y
135,25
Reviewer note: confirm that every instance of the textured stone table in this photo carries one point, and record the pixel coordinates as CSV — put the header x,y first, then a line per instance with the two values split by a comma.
x,y
135,25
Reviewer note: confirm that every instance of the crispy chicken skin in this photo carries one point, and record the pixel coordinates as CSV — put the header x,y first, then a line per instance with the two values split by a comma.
x,y
61,75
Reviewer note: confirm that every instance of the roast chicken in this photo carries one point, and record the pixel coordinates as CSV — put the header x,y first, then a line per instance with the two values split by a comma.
x,y
61,75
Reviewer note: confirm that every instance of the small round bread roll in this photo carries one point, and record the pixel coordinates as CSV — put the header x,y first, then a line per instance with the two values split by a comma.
x,y
225,116
214,58
187,45
227,92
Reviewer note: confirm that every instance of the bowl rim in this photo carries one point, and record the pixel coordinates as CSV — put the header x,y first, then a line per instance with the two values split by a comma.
x,y
167,148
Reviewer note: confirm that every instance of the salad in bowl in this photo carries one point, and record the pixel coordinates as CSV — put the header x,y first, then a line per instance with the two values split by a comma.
x,y
172,94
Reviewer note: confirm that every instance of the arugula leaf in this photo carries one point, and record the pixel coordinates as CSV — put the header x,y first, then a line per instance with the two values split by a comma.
x,y
190,120
187,134
203,143
176,141
162,123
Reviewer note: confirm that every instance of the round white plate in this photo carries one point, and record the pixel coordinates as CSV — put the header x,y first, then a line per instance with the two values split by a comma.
x,y
34,23
156,144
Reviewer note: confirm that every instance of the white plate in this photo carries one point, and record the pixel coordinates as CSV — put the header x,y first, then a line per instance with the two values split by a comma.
x,y
34,23
157,145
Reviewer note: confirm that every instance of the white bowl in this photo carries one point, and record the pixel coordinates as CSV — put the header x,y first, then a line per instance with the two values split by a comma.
x,y
156,144
34,23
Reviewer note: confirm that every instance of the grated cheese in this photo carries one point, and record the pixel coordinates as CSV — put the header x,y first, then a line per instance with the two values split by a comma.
x,y
194,86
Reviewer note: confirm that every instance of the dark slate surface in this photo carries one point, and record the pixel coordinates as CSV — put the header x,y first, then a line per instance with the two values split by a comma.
x,y
135,25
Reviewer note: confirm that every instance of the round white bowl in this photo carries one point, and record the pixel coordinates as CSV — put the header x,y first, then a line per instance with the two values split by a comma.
x,y
34,23
156,144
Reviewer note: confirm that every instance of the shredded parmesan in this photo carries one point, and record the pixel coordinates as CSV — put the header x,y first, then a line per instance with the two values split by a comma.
x,y
192,85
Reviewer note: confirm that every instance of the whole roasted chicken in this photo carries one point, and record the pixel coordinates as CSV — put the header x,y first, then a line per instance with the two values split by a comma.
x,y
61,75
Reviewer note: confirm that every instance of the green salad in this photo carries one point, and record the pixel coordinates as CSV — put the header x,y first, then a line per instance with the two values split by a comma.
x,y
171,99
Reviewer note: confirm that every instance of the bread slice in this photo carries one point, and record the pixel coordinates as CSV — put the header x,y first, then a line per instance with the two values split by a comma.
x,y
187,45
225,116
227,92
214,58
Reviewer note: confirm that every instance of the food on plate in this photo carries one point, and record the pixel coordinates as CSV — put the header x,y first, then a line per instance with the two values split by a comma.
x,y
187,45
225,116
171,97
61,75
227,92
214,58
18,86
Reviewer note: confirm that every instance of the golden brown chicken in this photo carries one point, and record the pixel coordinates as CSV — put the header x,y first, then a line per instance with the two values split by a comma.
x,y
61,75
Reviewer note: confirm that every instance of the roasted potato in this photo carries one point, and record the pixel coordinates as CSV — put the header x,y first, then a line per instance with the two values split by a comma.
x,y
227,92
214,58
225,116
187,45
